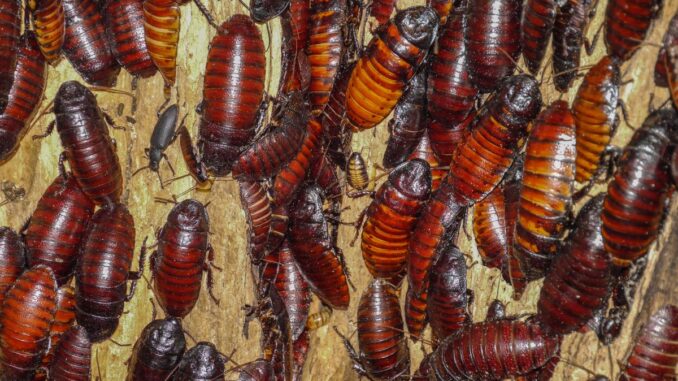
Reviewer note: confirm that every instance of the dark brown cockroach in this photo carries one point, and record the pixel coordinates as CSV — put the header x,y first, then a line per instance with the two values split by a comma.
x,y
157,351
595,115
579,281
265,10
162,22
102,271
293,174
381,10
258,210
445,138
124,22
323,173
356,172
383,348
408,123
545,204
447,299
63,320
636,198
492,39
318,319
670,43
85,43
545,373
415,313
300,348
295,73
391,217
491,350
195,167
569,34
424,152
535,31
180,258
626,25
202,362
672,72
280,221
72,357
257,370
325,48
654,355
443,8
10,30
280,270
12,259
393,56
233,91
50,27
451,95
25,317
313,249
57,227
336,131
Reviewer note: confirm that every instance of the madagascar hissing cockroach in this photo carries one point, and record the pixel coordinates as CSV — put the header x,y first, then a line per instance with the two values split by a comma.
x,y
318,319
491,350
535,31
672,72
181,257
325,48
383,348
424,152
50,27
262,11
636,198
295,73
654,355
257,206
157,351
103,270
25,318
57,227
232,93
195,166
443,8
257,370
12,259
356,172
202,362
300,348
63,320
162,22
595,115
280,221
669,43
314,251
393,56
445,137
415,313
10,30
381,10
391,217
545,205
492,38
86,45
72,357
124,22
569,34
450,93
447,299
408,123
579,281
626,25
336,131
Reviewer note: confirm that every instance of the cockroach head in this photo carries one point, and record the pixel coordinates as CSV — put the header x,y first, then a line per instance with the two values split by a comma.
x,y
190,214
419,25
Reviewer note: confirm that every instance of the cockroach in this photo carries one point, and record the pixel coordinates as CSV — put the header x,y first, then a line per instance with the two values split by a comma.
x,y
282,359
636,198
415,313
202,362
11,131
300,348
63,320
72,357
180,258
293,174
626,25
12,259
595,115
381,10
295,72
124,22
280,270
280,221
324,174
423,151
492,39
356,172
654,354
670,43
257,370
445,138
325,48
393,56
579,281
408,123
162,22
86,45
545,373
383,349
57,227
102,271
10,30
569,34
545,205
50,27
232,93
25,317
535,31
391,217
195,166
491,350
265,10
451,95
318,319
447,294
313,249
443,8
672,72
496,311
333,119
258,210
157,351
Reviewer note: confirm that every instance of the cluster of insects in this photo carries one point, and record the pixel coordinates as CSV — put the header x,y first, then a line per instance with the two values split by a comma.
x,y
468,136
